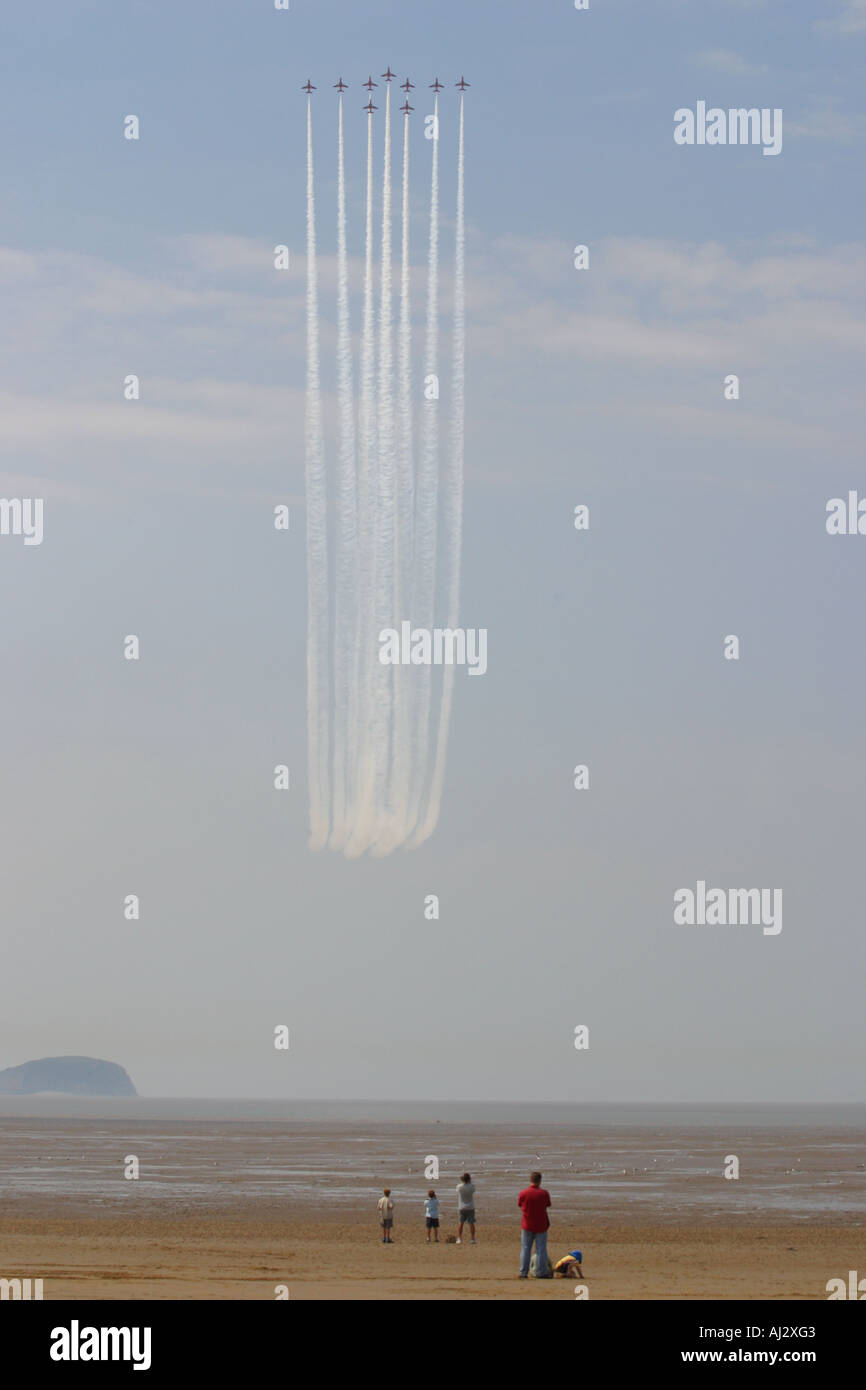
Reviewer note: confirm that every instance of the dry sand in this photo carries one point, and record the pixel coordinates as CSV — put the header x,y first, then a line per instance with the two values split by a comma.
x,y
245,1254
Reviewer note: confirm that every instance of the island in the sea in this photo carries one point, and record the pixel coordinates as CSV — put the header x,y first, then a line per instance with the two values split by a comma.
x,y
77,1076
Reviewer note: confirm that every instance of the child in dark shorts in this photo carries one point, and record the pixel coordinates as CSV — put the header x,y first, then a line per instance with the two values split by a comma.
x,y
386,1216
431,1214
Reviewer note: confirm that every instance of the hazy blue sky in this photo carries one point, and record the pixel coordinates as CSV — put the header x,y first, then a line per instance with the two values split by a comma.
x,y
603,387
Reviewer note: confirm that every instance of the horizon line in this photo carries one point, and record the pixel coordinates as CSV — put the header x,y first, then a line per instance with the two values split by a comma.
x,y
415,1100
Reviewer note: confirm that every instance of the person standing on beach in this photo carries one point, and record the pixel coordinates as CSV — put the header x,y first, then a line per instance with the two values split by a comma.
x,y
431,1215
465,1207
386,1216
533,1202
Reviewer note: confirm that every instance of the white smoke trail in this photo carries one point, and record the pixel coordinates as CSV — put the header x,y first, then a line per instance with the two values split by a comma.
x,y
405,526
426,505
318,683
452,498
347,567
383,683
389,735
365,645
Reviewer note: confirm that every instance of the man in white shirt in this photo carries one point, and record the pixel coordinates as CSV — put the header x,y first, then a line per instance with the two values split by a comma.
x,y
466,1207
386,1216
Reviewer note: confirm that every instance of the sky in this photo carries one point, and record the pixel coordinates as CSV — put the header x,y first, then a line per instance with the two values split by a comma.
x,y
601,387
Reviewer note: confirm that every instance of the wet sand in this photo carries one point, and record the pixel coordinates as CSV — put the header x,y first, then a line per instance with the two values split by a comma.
x,y
246,1255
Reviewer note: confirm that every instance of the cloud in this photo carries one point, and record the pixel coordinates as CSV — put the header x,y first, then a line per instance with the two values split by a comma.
x,y
732,64
749,426
852,19
828,124
709,275
702,5
654,285
644,337
212,418
222,255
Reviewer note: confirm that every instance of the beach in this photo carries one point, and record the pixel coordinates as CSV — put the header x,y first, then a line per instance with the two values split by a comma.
x,y
255,1205
238,1255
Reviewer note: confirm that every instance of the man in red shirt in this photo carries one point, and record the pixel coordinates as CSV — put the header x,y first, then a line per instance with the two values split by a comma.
x,y
533,1202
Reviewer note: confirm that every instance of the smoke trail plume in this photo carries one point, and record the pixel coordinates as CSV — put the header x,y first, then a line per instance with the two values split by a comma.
x,y
347,567
376,777
404,687
426,500
381,820
452,496
365,636
318,705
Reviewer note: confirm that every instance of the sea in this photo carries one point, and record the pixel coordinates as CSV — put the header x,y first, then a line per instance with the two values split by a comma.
x,y
641,1162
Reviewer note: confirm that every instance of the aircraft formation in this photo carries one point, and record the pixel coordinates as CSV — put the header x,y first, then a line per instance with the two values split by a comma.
x,y
384,490
341,87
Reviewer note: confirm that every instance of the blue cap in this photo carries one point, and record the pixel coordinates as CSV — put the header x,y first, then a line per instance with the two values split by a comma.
x,y
577,1256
